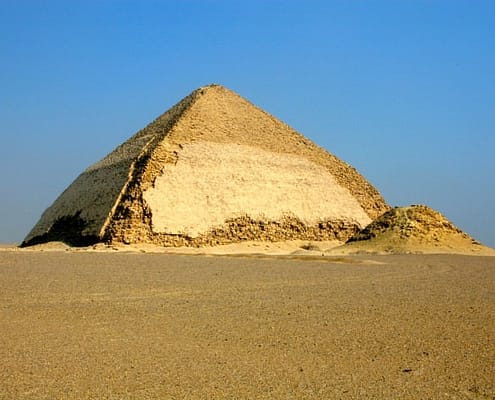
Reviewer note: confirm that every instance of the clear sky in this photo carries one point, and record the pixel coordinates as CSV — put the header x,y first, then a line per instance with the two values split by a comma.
x,y
403,90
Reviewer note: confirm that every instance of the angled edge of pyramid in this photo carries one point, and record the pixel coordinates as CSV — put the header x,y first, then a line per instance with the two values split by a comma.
x,y
80,215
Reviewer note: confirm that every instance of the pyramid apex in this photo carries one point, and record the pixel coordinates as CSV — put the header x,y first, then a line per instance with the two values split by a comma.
x,y
212,86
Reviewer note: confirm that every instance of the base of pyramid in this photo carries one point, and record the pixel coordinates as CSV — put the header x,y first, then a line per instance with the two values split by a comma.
x,y
69,230
243,229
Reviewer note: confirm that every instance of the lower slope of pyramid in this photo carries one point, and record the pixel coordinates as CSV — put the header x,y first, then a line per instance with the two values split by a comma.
x,y
213,169
414,229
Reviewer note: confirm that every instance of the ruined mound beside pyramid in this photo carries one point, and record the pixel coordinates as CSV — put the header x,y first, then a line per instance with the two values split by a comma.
x,y
213,169
414,229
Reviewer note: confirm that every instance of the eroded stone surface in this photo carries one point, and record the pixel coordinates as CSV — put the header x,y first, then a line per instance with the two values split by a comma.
x,y
212,183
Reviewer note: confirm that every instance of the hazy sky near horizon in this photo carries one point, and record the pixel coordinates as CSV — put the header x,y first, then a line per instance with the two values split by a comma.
x,y
402,90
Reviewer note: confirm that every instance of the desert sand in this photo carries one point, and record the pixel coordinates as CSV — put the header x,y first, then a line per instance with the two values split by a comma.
x,y
109,323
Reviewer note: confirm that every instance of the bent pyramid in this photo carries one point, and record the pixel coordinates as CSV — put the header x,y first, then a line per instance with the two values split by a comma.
x,y
213,169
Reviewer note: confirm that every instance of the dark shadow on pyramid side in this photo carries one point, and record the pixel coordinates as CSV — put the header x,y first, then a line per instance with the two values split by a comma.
x,y
214,169
67,229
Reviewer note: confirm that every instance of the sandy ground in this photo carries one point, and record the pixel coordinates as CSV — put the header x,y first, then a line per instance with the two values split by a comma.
x,y
122,325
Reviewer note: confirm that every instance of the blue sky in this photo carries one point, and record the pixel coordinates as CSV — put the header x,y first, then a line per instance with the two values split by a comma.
x,y
403,90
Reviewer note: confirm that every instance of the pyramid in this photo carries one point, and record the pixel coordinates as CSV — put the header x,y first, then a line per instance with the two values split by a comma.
x,y
213,169
414,229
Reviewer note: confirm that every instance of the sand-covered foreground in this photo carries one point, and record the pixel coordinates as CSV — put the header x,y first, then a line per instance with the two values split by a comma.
x,y
102,325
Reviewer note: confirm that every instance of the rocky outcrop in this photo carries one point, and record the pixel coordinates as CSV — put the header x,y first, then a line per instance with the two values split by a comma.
x,y
414,229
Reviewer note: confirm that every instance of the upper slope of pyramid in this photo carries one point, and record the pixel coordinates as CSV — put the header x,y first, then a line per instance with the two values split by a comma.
x,y
213,166
414,229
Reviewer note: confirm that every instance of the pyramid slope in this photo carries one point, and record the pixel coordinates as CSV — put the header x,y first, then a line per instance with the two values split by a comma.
x,y
195,176
414,229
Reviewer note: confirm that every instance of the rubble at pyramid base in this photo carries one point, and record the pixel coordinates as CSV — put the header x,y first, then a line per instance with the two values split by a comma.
x,y
247,229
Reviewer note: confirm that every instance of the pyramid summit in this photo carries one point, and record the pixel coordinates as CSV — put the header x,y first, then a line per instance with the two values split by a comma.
x,y
212,169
